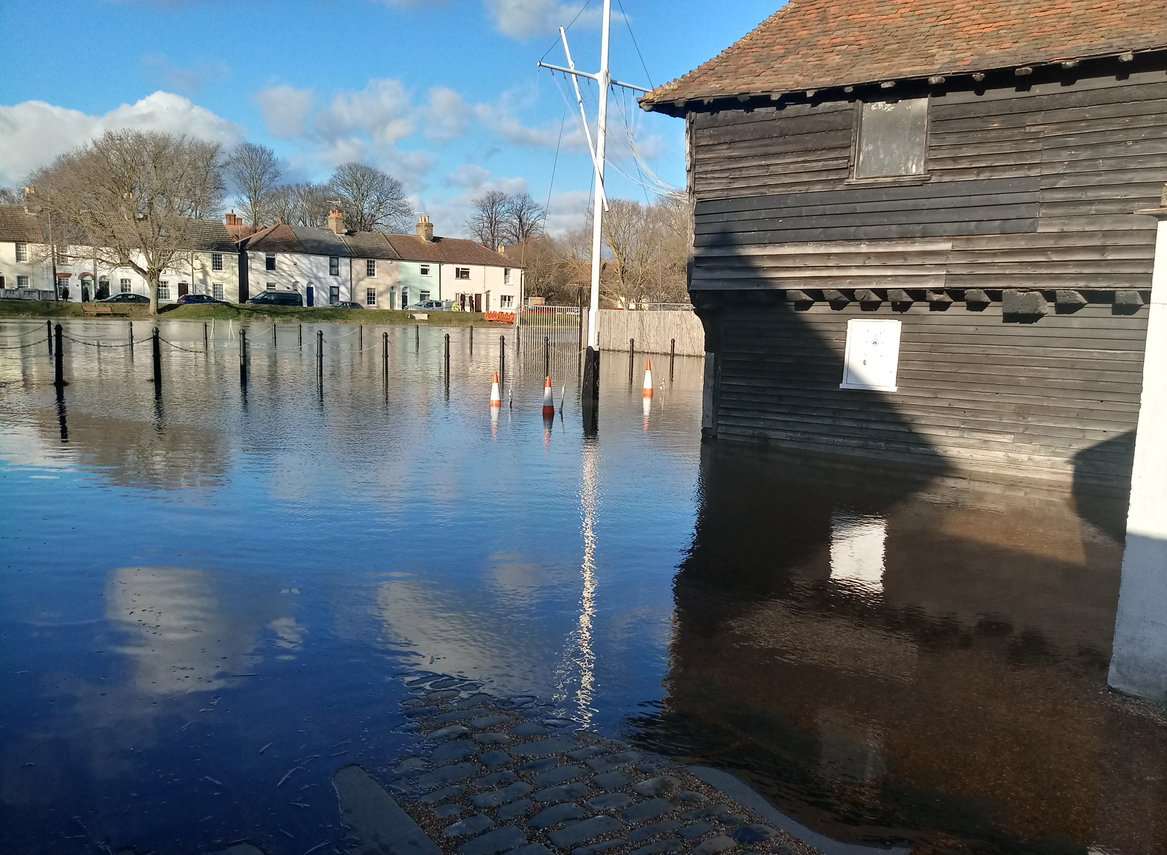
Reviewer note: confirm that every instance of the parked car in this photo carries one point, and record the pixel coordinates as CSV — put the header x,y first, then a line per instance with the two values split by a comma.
x,y
193,299
125,298
430,306
277,298
346,305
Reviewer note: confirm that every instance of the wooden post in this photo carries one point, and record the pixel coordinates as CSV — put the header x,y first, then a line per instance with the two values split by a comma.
x,y
58,356
672,356
49,330
320,357
243,359
502,360
157,362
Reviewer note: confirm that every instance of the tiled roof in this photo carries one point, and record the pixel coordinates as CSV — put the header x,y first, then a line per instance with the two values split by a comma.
x,y
211,236
443,250
817,44
17,225
371,245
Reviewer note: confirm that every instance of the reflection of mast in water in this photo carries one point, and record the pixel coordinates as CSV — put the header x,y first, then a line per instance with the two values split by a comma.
x,y
580,650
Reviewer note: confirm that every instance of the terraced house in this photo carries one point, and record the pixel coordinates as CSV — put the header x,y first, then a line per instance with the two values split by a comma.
x,y
378,270
923,230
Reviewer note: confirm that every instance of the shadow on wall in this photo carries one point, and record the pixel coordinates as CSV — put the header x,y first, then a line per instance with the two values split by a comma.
x,y
883,657
1105,509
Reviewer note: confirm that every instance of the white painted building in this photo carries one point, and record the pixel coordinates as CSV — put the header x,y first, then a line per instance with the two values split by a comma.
x,y
376,270
26,265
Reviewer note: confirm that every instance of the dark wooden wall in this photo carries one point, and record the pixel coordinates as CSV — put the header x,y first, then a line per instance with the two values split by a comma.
x,y
1030,189
1058,398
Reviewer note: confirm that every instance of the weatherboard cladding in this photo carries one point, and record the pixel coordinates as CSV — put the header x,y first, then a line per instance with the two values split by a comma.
x,y
817,44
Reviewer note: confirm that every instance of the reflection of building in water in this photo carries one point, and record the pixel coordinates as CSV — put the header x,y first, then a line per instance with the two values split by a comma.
x,y
940,675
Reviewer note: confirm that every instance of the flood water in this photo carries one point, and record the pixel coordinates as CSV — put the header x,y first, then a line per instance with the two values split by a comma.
x,y
204,591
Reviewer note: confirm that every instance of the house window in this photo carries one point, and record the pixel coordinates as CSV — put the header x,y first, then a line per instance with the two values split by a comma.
x,y
216,261
22,252
893,138
21,281
506,301
872,358
371,267
124,284
333,266
1,283
461,272
217,291
506,276
423,296
424,270
269,261
271,286
370,296
163,290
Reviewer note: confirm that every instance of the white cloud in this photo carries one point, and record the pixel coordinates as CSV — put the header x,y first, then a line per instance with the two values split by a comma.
x,y
383,109
445,115
186,78
36,132
285,109
524,19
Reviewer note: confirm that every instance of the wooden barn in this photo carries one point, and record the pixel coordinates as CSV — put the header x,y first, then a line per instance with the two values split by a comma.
x,y
921,230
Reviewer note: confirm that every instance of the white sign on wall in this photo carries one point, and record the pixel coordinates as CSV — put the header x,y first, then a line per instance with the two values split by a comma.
x,y
872,360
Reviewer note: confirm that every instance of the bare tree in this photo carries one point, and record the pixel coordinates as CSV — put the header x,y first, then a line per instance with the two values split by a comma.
x,y
523,219
9,196
649,250
370,199
300,204
129,199
488,222
254,173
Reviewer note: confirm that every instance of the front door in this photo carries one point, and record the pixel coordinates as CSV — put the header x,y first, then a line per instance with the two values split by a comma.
x,y
311,296
478,302
183,289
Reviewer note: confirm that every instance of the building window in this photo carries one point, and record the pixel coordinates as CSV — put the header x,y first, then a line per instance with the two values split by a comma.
x,y
269,261
893,138
216,261
423,296
163,290
22,252
21,281
424,270
124,284
370,296
872,358
271,286
333,266
461,272
217,291
1,283
506,301
371,267
506,276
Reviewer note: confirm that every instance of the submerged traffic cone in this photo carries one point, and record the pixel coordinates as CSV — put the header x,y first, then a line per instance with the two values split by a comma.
x,y
548,399
495,394
648,378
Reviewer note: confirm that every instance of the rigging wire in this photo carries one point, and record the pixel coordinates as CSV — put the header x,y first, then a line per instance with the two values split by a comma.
x,y
578,14
635,43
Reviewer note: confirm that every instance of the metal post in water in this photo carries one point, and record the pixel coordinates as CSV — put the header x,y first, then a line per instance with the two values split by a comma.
x,y
157,363
300,337
49,329
672,356
362,339
275,341
502,359
243,358
447,359
546,356
58,355
416,338
631,358
206,338
472,339
131,338
385,356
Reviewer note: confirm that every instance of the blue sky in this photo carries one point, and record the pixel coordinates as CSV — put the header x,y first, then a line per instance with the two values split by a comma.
x,y
444,94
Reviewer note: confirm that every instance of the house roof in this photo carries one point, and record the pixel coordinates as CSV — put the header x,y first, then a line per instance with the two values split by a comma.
x,y
442,250
19,226
211,236
819,44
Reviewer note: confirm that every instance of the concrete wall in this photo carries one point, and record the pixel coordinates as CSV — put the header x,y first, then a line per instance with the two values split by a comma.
x,y
652,331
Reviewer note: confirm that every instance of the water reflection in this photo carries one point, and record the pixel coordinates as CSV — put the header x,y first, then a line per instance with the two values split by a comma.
x,y
903,660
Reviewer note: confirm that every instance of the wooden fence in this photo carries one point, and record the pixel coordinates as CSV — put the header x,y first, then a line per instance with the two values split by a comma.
x,y
653,331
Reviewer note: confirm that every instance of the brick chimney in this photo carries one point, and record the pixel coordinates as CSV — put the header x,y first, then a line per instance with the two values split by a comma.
x,y
236,227
425,229
336,222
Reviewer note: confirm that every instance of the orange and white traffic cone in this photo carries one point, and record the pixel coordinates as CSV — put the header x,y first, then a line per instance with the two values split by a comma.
x,y
648,378
495,394
548,399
